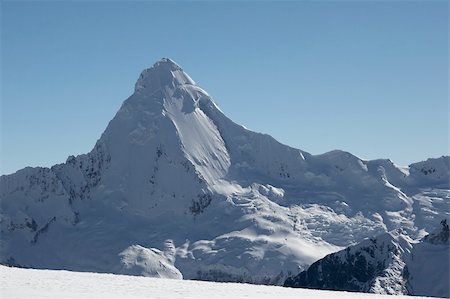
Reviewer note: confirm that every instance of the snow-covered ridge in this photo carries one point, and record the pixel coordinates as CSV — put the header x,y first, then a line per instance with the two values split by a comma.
x,y
390,263
163,73
236,205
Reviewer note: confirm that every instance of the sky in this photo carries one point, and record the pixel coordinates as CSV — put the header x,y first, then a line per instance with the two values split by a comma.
x,y
370,78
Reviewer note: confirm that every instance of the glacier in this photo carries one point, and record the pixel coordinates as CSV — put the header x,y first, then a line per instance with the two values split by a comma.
x,y
173,188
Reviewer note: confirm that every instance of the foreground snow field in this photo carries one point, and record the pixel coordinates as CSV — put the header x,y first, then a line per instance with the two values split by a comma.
x,y
31,283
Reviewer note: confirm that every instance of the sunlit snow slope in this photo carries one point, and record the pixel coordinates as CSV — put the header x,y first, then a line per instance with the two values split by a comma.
x,y
173,188
49,284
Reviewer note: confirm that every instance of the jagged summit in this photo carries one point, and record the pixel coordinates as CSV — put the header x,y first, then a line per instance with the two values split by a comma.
x,y
173,184
164,72
166,61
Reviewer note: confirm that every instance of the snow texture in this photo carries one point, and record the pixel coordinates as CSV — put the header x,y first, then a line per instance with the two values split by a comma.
x,y
18,283
236,205
391,263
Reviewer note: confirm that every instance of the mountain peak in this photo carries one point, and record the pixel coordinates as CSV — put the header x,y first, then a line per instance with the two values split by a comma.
x,y
165,61
164,72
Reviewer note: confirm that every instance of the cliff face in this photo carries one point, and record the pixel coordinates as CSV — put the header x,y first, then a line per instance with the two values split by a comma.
x,y
391,263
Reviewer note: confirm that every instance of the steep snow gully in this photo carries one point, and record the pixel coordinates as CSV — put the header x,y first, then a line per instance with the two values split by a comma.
x,y
173,188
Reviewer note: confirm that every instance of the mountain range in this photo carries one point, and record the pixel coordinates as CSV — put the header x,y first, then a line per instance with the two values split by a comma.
x,y
175,189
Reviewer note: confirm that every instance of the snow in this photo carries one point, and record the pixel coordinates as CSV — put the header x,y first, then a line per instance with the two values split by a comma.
x,y
393,264
170,74
429,266
16,283
235,205
201,141
138,260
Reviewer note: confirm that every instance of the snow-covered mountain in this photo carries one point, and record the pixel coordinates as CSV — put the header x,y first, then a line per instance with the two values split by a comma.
x,y
391,263
173,187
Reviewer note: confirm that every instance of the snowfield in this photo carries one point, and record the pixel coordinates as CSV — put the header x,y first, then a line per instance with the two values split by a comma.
x,y
20,283
173,188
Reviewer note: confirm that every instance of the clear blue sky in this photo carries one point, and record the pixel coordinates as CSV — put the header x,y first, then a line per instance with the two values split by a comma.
x,y
370,78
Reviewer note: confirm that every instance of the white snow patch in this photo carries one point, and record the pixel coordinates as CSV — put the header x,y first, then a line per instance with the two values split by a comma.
x,y
150,262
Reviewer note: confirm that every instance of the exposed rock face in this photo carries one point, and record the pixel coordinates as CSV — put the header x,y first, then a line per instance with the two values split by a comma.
x,y
387,264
